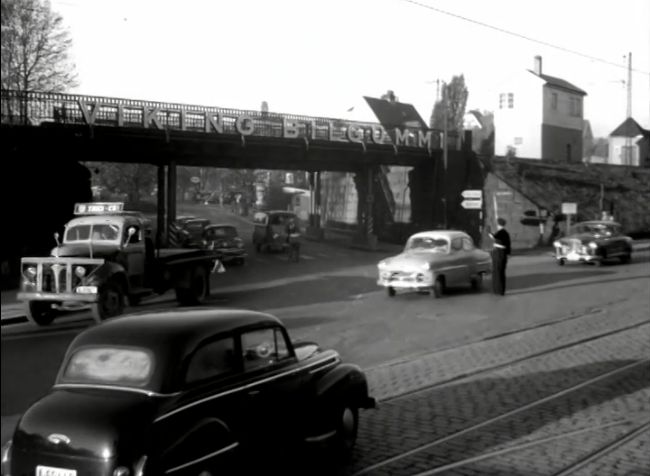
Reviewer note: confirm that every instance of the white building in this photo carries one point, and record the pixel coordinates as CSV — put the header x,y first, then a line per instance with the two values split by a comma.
x,y
628,144
539,117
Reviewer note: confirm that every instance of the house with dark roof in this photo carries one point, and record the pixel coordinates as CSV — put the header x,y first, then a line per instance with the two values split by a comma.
x,y
539,117
629,144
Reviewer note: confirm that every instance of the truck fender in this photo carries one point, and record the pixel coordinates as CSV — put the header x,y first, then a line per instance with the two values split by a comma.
x,y
108,271
346,382
205,441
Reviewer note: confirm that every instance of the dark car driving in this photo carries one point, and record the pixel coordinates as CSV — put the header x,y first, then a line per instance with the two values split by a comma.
x,y
594,242
182,392
226,240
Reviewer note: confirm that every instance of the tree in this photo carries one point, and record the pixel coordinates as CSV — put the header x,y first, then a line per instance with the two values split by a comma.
x,y
136,181
35,47
456,94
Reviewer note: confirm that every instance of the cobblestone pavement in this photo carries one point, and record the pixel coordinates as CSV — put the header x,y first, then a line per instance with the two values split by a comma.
x,y
406,423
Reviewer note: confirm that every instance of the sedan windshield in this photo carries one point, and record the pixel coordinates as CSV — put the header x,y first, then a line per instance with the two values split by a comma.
x,y
127,367
435,245
597,229
223,232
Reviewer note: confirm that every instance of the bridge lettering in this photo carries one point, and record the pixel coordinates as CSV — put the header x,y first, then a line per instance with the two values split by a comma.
x,y
244,125
424,140
289,129
150,115
211,123
354,134
401,138
89,112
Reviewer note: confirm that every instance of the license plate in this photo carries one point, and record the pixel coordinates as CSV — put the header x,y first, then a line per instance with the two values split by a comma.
x,y
51,471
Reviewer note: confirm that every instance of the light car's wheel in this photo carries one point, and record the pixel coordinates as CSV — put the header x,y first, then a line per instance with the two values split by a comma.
x,y
110,302
390,291
40,312
198,290
561,261
438,288
477,282
346,430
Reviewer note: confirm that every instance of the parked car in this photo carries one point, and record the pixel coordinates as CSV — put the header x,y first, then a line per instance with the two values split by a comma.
x,y
594,242
185,391
189,231
434,260
270,229
226,240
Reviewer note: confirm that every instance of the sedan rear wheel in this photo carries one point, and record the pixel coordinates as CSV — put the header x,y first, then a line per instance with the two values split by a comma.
x,y
561,261
390,291
477,282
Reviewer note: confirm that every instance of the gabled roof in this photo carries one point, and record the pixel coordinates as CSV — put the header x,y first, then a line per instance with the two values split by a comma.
x,y
628,128
559,83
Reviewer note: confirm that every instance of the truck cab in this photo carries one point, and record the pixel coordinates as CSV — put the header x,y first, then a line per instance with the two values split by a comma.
x,y
106,255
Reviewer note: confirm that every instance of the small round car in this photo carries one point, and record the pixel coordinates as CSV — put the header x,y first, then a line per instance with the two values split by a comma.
x,y
185,392
432,261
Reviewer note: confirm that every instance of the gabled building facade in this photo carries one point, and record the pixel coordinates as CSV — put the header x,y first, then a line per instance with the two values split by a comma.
x,y
629,145
539,117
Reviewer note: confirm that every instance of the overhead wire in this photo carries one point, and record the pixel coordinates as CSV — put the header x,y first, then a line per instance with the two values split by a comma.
x,y
521,36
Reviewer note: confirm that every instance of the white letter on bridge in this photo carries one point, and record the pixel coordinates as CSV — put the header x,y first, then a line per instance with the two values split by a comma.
x,y
149,116
289,129
244,125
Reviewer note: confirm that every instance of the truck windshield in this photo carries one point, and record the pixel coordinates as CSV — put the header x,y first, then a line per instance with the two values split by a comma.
x,y
97,232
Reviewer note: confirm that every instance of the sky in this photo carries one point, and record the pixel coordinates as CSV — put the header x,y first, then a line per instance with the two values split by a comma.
x,y
319,58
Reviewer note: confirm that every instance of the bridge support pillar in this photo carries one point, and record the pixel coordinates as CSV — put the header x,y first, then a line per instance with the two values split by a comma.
x,y
171,195
364,181
161,230
314,229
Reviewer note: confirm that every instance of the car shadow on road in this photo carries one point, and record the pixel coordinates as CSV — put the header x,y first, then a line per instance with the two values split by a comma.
x,y
405,423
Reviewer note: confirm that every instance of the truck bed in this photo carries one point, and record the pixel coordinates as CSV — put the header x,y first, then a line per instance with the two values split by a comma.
x,y
182,255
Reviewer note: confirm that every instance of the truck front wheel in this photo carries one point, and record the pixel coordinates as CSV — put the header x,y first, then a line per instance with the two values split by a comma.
x,y
198,290
40,312
110,302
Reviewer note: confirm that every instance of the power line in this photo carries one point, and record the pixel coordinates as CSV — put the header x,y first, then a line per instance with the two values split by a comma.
x,y
519,35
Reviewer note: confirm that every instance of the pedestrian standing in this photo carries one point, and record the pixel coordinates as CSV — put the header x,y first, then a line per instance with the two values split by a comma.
x,y
500,252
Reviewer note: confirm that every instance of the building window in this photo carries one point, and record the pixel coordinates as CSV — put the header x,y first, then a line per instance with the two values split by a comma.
x,y
554,101
511,100
575,107
502,99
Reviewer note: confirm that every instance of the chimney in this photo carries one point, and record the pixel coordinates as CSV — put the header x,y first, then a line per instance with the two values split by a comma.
x,y
538,65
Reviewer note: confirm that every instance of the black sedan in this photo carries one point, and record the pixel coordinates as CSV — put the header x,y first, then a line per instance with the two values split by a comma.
x,y
186,392
594,242
226,240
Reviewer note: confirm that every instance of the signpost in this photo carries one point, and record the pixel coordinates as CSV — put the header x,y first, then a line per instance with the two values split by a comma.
x,y
472,199
568,209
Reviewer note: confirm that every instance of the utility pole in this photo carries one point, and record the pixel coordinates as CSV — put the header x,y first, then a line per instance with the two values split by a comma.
x,y
628,140
444,149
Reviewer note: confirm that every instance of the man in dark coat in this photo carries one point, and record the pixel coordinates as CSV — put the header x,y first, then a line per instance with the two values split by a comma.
x,y
500,253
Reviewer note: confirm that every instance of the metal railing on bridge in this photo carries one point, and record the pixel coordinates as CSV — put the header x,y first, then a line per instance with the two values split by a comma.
x,y
37,108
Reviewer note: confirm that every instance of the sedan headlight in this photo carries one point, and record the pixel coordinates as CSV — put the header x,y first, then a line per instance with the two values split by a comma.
x,y
592,245
426,266
382,264
557,244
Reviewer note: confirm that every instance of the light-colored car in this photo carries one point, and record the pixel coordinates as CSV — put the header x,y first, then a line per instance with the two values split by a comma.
x,y
593,242
434,260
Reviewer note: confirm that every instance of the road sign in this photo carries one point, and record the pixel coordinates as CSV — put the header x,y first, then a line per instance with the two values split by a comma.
x,y
472,204
569,208
472,194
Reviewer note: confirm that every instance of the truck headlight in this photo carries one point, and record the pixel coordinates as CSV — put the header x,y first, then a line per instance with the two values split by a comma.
x,y
6,458
80,271
30,272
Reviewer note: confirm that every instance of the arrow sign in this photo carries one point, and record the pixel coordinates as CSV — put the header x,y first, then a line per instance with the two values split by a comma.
x,y
472,204
475,194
